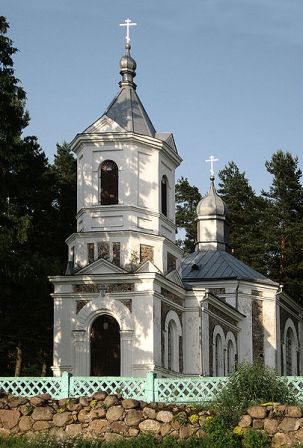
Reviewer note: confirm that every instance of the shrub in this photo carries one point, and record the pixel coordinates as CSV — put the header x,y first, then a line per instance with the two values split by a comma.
x,y
255,439
219,435
250,384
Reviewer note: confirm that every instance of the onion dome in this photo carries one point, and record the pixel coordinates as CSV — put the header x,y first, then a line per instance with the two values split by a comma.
x,y
127,68
212,204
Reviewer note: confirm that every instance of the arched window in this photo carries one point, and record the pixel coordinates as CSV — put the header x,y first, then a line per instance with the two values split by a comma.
x,y
109,182
231,349
290,359
172,341
219,356
230,356
164,190
218,351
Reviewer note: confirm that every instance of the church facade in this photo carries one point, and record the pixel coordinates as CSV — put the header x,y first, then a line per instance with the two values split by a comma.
x,y
129,302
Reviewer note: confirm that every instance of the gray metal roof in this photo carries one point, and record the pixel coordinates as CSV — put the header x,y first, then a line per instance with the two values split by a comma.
x,y
216,265
127,110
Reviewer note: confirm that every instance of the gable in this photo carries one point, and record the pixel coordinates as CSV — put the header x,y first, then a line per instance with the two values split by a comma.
x,y
174,277
104,124
147,266
100,266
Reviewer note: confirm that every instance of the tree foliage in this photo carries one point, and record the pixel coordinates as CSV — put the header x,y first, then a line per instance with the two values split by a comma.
x,y
187,198
283,229
34,207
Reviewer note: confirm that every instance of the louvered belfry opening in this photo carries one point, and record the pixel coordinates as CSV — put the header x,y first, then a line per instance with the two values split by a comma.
x,y
109,182
164,195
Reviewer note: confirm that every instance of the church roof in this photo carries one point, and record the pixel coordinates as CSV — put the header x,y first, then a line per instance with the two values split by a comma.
x,y
127,110
218,265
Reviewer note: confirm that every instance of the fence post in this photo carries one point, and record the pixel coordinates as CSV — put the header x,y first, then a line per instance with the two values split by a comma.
x,y
65,385
150,387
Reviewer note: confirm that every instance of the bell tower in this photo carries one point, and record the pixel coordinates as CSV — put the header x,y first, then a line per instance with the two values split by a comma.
x,y
126,185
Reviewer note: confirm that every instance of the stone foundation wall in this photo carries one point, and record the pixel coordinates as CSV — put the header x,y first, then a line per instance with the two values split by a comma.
x,y
284,424
110,417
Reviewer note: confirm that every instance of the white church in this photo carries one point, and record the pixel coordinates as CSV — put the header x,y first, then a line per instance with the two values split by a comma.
x,y
129,302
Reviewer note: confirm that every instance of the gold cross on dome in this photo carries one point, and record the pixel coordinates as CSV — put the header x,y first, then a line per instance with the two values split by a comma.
x,y
128,23
212,161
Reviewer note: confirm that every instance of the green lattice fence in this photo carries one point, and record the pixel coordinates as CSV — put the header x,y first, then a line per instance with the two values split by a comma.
x,y
127,387
187,390
150,388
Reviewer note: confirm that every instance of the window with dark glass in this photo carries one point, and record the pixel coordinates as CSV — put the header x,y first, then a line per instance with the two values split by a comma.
x,y
289,351
109,182
164,195
90,252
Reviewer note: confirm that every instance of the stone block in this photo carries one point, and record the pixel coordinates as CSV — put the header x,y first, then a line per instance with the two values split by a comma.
x,y
84,401
4,433
37,401
280,439
166,429
98,426
119,428
293,411
42,425
114,413
110,400
43,413
270,425
289,424
299,435
83,416
257,411
99,396
149,413
62,419
150,426
130,404
57,434
9,418
25,423
133,432
258,423
18,401
133,417
96,413
164,416
245,421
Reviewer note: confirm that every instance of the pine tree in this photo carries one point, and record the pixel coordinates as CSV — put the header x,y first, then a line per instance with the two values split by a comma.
x,y
246,211
187,198
64,170
284,223
25,209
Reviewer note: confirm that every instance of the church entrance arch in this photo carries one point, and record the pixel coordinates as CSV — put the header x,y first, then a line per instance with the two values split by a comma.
x,y
105,347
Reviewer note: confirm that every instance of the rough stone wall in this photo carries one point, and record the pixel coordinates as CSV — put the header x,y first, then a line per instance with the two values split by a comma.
x,y
111,418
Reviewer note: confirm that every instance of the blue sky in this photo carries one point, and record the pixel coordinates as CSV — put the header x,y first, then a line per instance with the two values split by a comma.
x,y
225,76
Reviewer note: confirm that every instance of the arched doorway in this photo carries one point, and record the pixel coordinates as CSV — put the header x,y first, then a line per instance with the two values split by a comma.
x,y
105,347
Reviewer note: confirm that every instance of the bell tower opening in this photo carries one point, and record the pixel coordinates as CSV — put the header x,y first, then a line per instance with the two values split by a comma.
x,y
105,347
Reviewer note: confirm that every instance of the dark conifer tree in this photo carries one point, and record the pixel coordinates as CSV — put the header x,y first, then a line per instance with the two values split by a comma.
x,y
246,214
25,208
64,170
187,198
284,223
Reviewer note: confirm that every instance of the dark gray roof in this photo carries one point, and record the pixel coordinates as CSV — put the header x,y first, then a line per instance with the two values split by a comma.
x,y
128,111
216,265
